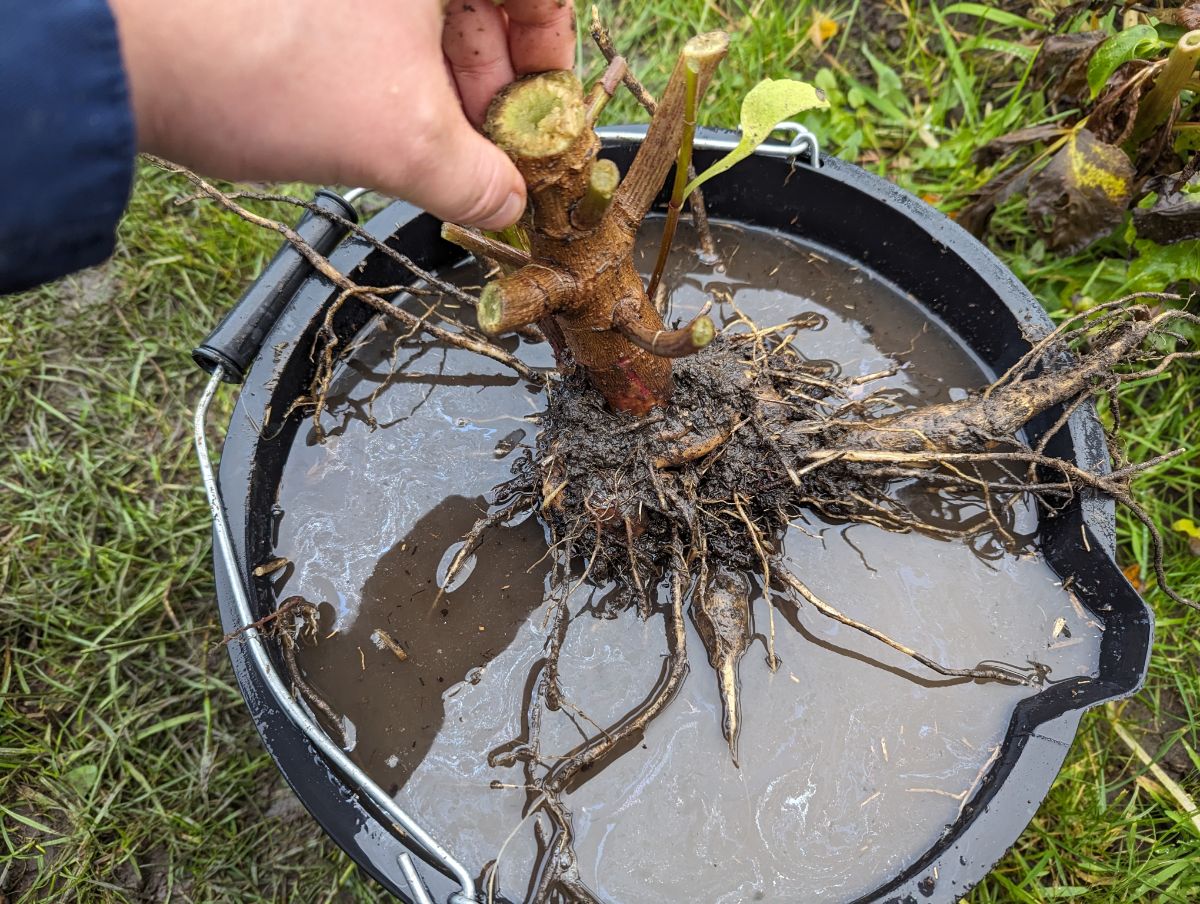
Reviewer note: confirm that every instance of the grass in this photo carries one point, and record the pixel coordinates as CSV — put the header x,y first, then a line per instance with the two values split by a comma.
x,y
128,768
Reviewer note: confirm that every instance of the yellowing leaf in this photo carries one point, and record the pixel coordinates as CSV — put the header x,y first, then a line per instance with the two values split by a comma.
x,y
822,29
1081,194
766,105
1187,526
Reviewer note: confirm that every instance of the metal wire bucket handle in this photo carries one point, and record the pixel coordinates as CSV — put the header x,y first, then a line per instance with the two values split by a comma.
x,y
399,822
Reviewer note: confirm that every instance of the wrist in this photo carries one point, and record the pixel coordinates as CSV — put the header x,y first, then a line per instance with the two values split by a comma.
x,y
206,78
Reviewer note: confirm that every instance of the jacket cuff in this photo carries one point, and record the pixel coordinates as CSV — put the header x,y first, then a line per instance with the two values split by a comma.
x,y
67,155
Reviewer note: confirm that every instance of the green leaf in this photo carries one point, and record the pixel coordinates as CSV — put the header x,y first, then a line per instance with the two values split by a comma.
x,y
1158,266
992,14
1130,44
769,102
83,778
1023,52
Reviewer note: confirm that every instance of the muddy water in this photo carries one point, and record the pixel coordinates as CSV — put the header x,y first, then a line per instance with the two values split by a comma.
x,y
853,759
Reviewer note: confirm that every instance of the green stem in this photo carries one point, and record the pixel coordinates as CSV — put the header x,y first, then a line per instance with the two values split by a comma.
x,y
511,235
602,183
1156,106
682,164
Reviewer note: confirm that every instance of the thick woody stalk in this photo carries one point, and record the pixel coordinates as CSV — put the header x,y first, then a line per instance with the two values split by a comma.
x,y
581,244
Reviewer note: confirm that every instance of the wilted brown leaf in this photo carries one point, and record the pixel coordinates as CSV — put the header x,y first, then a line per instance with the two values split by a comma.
x,y
1174,216
1081,194
1112,116
999,148
1063,60
1188,15
978,213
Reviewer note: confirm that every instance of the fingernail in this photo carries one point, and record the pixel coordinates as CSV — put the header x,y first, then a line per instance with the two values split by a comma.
x,y
513,207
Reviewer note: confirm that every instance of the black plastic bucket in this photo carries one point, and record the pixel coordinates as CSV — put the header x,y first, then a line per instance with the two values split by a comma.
x,y
837,205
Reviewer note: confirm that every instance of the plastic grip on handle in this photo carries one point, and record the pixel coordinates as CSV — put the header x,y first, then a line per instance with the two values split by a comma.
x,y
239,337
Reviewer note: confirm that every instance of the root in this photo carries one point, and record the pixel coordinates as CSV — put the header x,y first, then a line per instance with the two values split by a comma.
x,y
475,536
557,871
634,726
307,693
1034,676
465,338
995,416
721,614
292,618
287,607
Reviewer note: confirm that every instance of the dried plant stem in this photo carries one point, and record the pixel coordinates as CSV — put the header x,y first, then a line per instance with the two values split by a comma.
x,y
682,164
481,246
367,294
696,199
604,88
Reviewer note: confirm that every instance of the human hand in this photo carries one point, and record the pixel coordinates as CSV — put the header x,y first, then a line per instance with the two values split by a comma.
x,y
364,92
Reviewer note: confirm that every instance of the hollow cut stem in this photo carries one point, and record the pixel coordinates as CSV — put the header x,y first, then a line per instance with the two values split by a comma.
x,y
696,199
602,184
700,58
523,297
482,246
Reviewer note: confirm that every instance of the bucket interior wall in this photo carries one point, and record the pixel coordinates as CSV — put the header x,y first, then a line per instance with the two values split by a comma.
x,y
891,233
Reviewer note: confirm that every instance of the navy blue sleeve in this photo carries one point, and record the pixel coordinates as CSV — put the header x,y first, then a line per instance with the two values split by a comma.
x,y
67,142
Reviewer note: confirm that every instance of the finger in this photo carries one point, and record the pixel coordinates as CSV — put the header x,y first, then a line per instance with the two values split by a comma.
x,y
475,42
541,34
457,174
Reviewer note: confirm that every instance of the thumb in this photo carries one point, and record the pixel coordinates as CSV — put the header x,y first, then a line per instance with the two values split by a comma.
x,y
465,178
